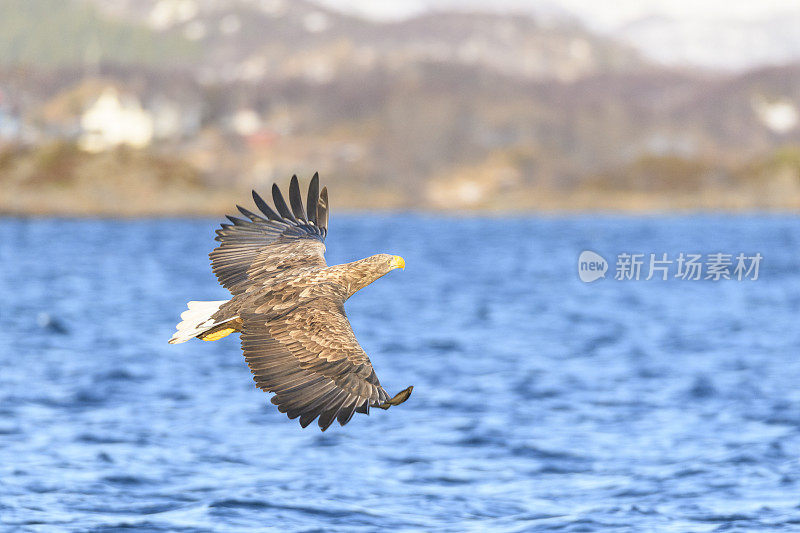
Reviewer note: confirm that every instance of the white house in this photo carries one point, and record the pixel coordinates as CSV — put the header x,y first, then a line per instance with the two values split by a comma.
x,y
780,115
115,119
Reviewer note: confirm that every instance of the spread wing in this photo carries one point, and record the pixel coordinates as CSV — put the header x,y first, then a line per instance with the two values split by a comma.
x,y
311,360
274,241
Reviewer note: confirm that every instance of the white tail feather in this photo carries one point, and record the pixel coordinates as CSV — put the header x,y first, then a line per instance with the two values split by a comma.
x,y
196,320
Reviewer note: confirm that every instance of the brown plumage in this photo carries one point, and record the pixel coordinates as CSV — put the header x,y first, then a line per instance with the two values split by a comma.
x,y
288,305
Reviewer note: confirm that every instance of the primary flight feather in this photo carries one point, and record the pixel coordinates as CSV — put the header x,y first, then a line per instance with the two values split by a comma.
x,y
288,305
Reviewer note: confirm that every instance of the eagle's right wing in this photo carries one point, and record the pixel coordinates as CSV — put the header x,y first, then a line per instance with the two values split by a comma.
x,y
310,358
265,245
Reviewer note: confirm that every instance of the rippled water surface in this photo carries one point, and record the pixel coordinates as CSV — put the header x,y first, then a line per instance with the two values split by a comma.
x,y
540,402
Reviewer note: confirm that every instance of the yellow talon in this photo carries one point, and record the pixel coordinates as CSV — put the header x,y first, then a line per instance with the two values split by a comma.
x,y
399,398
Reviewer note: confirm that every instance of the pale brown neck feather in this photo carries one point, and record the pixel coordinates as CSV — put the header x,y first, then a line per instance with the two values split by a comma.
x,y
356,275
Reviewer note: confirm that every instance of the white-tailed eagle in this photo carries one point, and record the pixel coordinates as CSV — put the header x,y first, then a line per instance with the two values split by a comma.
x,y
288,305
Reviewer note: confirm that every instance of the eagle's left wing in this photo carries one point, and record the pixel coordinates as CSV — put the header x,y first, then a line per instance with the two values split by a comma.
x,y
272,242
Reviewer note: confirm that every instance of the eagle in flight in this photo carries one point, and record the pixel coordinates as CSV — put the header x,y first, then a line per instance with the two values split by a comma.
x,y
288,305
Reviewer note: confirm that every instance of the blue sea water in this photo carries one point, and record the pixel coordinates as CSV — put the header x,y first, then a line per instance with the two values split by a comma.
x,y
541,403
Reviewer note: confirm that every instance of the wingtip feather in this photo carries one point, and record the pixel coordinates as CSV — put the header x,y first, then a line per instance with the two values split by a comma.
x,y
295,199
322,210
280,203
264,207
312,199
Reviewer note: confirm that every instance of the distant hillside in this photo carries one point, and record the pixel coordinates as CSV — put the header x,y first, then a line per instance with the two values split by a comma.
x,y
65,33
256,41
444,110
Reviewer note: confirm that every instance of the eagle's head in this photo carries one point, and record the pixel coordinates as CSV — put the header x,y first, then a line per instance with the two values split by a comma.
x,y
362,273
385,263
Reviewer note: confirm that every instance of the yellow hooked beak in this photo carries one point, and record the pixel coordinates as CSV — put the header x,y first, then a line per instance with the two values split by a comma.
x,y
398,262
